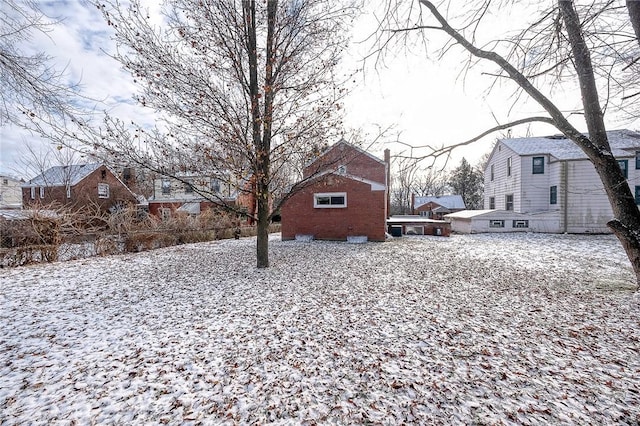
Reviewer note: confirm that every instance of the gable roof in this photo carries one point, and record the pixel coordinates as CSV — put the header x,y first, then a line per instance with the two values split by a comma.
x,y
448,201
565,149
347,144
375,186
63,175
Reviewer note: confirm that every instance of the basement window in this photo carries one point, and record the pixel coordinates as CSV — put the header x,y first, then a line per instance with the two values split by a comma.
x,y
520,223
330,200
496,223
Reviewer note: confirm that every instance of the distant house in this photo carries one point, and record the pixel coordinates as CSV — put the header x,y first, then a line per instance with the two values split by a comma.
x,y
192,194
77,186
10,192
547,184
435,207
345,197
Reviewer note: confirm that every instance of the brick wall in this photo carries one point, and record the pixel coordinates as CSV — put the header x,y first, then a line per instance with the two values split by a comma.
x,y
84,193
364,214
357,163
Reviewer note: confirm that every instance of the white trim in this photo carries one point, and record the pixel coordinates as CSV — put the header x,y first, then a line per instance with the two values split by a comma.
x,y
103,190
329,195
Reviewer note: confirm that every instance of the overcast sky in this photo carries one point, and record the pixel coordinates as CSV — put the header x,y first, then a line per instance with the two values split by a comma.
x,y
424,100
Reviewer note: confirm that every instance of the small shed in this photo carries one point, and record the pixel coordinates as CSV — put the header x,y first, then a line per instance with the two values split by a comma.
x,y
418,225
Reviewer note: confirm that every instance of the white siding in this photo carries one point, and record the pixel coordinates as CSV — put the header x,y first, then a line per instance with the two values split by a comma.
x,y
502,184
588,208
178,189
10,192
535,187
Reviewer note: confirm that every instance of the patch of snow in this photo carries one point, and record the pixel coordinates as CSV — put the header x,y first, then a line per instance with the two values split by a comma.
x,y
486,328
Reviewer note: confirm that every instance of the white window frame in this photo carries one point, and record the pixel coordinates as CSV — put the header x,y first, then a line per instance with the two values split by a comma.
x,y
68,191
103,190
520,223
42,192
330,195
496,223
33,192
508,203
165,186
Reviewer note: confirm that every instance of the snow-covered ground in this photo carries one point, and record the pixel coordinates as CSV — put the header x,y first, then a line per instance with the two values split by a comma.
x,y
485,329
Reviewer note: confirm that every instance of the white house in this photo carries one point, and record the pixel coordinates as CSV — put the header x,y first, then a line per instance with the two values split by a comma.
x,y
551,185
10,192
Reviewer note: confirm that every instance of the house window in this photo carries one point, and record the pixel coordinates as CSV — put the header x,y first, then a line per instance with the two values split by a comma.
x,y
637,194
42,192
188,187
5,181
165,213
492,173
509,166
538,165
68,191
508,202
496,223
103,174
492,203
553,195
637,159
520,223
166,186
330,200
103,190
33,192
342,170
624,166
215,185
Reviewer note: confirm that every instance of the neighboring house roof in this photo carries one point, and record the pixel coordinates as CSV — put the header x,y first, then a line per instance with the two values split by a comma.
x,y
412,219
451,202
63,175
565,149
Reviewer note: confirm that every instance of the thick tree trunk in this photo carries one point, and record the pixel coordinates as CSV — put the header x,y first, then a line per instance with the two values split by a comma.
x,y
633,6
626,222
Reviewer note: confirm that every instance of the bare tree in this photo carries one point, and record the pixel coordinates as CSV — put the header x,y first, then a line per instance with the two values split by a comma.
x,y
430,182
246,87
31,85
402,186
558,45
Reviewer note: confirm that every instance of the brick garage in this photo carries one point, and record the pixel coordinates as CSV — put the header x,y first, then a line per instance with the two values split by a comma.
x,y
346,196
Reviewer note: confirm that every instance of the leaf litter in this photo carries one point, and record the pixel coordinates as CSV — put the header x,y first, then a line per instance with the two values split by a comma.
x,y
471,329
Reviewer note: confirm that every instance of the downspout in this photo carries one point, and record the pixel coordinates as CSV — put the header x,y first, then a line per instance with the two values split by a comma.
x,y
387,161
565,196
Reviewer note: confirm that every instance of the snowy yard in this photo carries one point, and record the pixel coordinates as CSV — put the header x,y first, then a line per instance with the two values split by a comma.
x,y
496,329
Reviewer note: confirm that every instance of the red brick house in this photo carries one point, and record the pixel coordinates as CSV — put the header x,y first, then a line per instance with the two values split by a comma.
x,y
77,186
435,207
346,195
